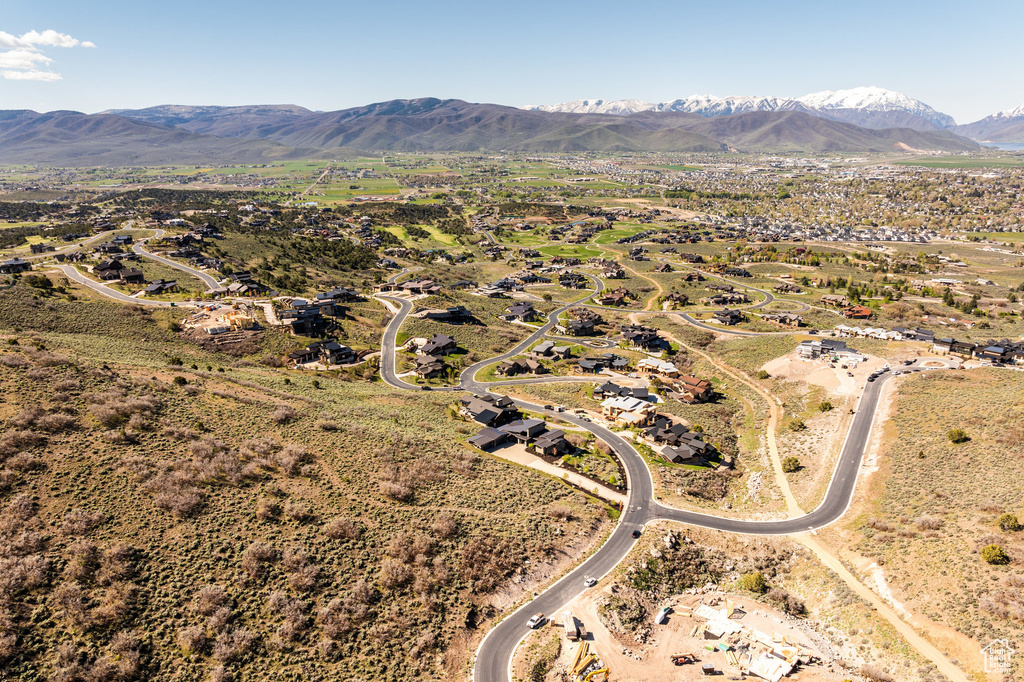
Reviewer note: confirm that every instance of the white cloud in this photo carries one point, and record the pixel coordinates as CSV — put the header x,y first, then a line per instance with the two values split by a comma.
x,y
45,76
22,56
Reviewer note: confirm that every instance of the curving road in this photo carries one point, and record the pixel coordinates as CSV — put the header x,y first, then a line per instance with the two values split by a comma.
x,y
73,274
495,651
210,282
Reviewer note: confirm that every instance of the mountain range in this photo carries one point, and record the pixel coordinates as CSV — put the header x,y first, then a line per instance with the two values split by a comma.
x,y
862,120
868,107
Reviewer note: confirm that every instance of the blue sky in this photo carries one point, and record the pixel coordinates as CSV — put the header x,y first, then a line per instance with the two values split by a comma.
x,y
961,59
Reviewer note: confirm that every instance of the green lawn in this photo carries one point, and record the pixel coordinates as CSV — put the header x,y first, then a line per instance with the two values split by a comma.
x,y
966,162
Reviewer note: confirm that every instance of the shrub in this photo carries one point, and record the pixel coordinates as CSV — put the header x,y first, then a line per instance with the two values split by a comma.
x,y
1008,523
957,436
340,528
754,582
797,425
791,465
180,381
762,374
875,674
824,406
283,414
995,555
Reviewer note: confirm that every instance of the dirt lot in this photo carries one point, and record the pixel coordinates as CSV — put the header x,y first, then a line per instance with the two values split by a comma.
x,y
652,661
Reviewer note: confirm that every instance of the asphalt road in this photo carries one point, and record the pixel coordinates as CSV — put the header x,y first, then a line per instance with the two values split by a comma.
x,y
75,275
210,282
495,651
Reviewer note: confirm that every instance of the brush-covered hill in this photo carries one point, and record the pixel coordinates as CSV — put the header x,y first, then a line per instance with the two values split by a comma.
x,y
71,138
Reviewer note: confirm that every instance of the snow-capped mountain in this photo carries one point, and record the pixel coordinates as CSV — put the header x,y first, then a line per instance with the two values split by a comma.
x,y
1009,114
869,107
597,106
710,105
1004,126
874,99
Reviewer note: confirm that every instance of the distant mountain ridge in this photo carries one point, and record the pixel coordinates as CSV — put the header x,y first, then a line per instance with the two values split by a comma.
x,y
173,134
1004,126
869,107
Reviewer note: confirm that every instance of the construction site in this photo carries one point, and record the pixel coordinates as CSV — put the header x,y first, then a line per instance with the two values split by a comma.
x,y
693,636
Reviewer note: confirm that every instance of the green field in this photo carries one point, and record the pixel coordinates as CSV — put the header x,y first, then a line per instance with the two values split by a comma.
x,y
966,162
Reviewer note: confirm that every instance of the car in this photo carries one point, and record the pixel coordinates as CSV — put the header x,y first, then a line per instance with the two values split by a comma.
x,y
547,407
897,373
424,387
636,533
870,379
536,621
908,362
589,582
849,374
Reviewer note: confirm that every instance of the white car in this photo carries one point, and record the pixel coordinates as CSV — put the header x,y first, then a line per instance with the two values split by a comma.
x,y
589,582
536,621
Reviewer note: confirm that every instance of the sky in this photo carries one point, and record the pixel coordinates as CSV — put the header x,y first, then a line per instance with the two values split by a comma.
x,y
960,58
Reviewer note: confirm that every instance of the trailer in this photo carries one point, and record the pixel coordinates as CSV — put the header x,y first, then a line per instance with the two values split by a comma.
x,y
572,630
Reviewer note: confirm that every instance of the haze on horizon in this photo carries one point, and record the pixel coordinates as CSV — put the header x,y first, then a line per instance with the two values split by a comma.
x,y
337,55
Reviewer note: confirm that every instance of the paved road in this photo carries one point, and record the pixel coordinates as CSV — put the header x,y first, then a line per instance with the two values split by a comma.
x,y
75,275
210,282
496,649
495,652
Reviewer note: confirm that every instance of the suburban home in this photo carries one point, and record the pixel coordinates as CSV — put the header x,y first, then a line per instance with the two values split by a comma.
x,y
608,361
857,312
627,411
613,272
524,430
572,280
302,318
576,328
161,286
664,267
516,367
825,347
835,300
548,349
656,366
132,276
420,286
692,277
737,272
327,352
783,319
339,295
643,338
488,438
490,410
552,443
41,248
455,314
521,312
427,366
14,266
676,299
729,298
438,344
728,317
610,389
692,390
788,288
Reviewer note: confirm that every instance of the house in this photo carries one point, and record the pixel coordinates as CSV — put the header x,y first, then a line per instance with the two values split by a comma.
x,y
41,248
825,347
737,272
726,299
463,284
728,317
664,267
857,312
488,438
454,315
552,443
132,276
835,300
610,389
303,318
328,352
109,269
438,344
576,328
14,265
675,299
521,312
692,277
516,367
643,338
608,361
427,366
692,390
656,366
783,319
339,295
490,410
524,430
420,286
613,272
627,411
548,349
572,280
160,286
788,288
